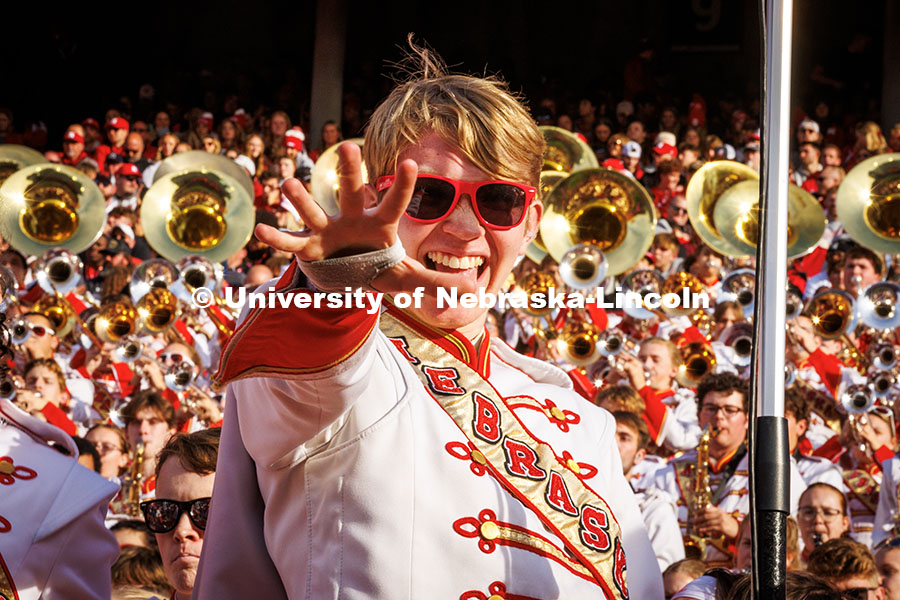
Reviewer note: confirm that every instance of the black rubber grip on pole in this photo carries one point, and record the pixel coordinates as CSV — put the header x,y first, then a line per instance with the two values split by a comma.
x,y
771,470
769,562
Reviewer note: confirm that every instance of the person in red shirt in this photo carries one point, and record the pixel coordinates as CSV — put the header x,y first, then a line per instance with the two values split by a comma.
x,y
73,146
116,132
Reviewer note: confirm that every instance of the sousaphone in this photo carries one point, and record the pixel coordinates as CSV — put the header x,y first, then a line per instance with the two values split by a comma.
x,y
324,180
48,206
14,157
603,208
202,205
566,152
868,203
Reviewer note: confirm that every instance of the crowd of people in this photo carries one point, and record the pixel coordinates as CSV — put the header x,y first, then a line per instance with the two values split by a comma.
x,y
157,439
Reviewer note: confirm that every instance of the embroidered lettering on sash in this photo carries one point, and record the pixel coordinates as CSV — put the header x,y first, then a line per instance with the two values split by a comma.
x,y
528,468
403,348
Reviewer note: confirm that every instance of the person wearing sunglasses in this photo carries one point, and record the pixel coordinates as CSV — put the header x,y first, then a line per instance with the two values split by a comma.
x,y
339,423
185,473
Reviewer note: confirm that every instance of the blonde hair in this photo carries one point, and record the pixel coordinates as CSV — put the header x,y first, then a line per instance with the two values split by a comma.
x,y
870,138
477,115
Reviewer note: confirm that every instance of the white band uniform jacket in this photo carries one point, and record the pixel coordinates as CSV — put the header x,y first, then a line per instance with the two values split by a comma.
x,y
53,544
367,485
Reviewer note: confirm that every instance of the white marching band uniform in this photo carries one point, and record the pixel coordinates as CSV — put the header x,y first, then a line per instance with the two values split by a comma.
x,y
53,544
886,517
366,486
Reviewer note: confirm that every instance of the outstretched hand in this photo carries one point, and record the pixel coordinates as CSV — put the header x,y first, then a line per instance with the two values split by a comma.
x,y
362,225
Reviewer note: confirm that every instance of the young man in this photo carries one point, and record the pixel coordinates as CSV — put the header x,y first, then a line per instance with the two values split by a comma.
x,y
45,394
848,565
388,438
722,406
149,420
185,473
657,509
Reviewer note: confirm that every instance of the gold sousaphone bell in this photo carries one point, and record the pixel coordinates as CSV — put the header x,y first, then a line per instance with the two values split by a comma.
x,y
868,203
723,205
603,208
201,204
14,157
47,206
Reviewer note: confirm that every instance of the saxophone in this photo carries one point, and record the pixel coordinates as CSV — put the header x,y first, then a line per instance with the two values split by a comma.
x,y
131,492
694,543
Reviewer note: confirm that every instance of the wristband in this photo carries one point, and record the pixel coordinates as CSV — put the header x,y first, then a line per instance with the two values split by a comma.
x,y
357,271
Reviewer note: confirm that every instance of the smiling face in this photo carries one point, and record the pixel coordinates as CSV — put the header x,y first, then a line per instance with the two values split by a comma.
x,y
482,257
180,548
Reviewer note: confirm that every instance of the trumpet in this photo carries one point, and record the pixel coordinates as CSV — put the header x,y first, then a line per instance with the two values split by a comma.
x,y
583,267
833,316
8,388
741,283
128,350
877,306
116,320
697,361
58,271
790,375
856,399
881,383
20,332
579,342
883,357
793,305
739,338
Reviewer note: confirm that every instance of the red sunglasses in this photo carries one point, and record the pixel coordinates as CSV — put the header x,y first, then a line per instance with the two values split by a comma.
x,y
498,204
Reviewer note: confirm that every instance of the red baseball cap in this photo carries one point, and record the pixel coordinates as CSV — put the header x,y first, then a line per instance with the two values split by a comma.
x,y
207,117
117,123
664,148
91,122
73,136
129,170
293,138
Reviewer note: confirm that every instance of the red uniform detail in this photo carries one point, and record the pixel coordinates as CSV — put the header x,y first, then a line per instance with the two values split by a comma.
x,y
487,419
521,460
558,495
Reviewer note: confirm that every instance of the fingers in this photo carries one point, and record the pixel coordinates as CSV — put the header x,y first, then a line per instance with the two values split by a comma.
x,y
352,195
311,213
398,196
281,240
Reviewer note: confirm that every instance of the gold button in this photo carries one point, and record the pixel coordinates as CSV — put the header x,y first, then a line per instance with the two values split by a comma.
x,y
557,414
573,466
495,597
6,467
478,457
490,530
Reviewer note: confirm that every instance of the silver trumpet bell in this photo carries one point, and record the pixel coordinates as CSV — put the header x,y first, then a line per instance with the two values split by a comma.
x,y
790,375
881,383
739,337
793,305
877,306
741,284
883,357
20,332
128,350
611,342
8,388
856,398
179,377
196,272
583,267
154,273
58,270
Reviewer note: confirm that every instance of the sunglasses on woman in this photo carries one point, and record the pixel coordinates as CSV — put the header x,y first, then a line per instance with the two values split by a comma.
x,y
162,515
498,204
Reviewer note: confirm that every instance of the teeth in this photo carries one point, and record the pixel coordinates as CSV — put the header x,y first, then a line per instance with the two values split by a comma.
x,y
456,262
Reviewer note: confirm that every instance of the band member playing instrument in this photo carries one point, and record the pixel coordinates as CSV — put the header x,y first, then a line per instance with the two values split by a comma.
x,y
407,454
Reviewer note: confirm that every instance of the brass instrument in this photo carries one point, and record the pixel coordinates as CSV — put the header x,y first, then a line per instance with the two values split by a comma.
x,y
793,305
199,204
14,157
58,271
48,206
739,337
180,377
536,250
856,398
868,200
537,282
790,374
157,310
128,350
605,209
578,342
324,180
60,313
881,383
701,496
131,487
697,361
723,207
8,287
198,272
583,267
833,315
883,357
116,320
741,284
565,152
877,306
643,282
153,273
8,388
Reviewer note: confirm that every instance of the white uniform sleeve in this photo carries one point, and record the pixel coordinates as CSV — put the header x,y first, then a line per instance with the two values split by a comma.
x,y
681,429
887,502
661,520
